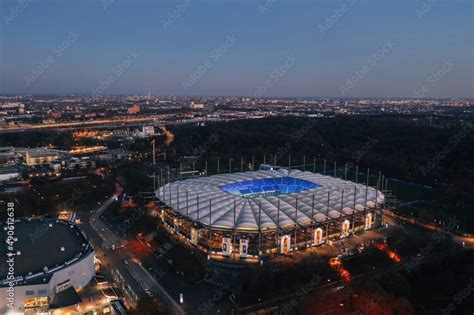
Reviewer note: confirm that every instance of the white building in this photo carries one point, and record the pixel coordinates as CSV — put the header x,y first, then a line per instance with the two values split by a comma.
x,y
48,257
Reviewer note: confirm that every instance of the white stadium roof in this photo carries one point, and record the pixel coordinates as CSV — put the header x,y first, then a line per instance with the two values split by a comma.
x,y
293,190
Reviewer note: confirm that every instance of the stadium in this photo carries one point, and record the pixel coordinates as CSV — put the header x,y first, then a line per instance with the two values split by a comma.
x,y
50,259
269,211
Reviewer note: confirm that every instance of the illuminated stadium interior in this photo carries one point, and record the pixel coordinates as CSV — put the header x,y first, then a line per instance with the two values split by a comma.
x,y
268,187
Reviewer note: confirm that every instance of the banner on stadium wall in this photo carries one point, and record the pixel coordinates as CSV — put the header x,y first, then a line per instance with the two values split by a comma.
x,y
244,246
226,246
318,236
345,228
194,236
285,244
368,221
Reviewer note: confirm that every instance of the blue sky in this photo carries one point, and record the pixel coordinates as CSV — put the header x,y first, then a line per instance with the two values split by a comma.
x,y
351,48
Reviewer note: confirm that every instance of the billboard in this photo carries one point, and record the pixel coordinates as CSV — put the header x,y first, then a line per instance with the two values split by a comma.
x,y
194,236
285,244
226,246
318,236
244,246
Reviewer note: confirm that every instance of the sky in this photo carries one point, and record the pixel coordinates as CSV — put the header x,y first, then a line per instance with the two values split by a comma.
x,y
320,48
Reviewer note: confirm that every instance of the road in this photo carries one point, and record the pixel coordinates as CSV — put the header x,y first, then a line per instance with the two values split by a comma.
x,y
466,241
100,227
118,256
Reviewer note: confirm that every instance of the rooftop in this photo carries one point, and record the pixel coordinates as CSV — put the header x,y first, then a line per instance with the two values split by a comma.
x,y
42,243
267,198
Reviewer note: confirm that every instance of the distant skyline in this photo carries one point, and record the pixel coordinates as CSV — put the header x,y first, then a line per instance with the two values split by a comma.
x,y
273,48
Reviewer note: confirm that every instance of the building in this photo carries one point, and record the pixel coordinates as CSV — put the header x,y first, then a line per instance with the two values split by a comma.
x,y
9,173
56,114
8,155
51,170
50,258
135,109
267,211
39,156
83,162
148,131
19,108
196,105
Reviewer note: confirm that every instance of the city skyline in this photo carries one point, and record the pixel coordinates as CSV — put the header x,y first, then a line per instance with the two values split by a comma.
x,y
262,49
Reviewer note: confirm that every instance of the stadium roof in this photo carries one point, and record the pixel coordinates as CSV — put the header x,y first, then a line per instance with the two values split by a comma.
x,y
293,190
42,243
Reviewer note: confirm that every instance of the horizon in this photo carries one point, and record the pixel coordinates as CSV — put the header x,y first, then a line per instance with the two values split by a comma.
x,y
292,97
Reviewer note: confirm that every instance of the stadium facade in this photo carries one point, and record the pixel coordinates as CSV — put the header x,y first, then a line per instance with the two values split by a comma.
x,y
274,211
47,259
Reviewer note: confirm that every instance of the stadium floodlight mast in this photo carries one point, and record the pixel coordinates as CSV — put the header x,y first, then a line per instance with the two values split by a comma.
x,y
154,165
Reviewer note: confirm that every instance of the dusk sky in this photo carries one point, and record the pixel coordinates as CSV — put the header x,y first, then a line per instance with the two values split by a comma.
x,y
353,48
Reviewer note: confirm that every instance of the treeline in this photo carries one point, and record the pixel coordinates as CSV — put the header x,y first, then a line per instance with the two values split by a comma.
x,y
400,147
